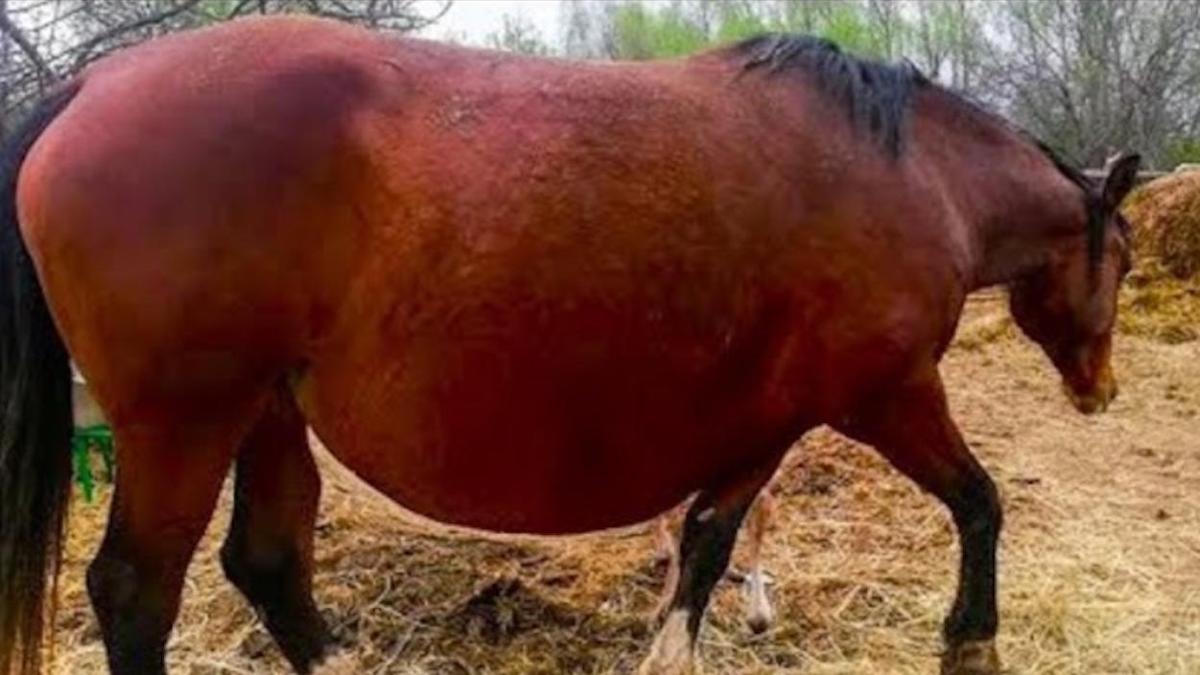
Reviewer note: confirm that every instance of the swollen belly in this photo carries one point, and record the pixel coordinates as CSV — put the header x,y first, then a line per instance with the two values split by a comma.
x,y
513,460
538,427
507,485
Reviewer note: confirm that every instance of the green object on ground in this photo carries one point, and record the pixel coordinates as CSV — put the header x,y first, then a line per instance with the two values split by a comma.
x,y
99,438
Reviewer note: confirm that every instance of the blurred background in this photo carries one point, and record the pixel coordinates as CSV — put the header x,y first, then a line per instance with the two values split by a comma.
x,y
1089,76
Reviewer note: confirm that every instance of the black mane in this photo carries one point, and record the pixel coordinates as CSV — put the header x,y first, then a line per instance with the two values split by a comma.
x,y
876,94
1096,222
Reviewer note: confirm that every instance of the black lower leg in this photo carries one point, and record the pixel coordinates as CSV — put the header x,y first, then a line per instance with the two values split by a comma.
x,y
912,428
709,532
268,552
134,612
977,515
275,581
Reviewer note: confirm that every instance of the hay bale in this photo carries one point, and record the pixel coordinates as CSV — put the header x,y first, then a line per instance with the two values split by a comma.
x,y
1161,299
1165,214
1156,305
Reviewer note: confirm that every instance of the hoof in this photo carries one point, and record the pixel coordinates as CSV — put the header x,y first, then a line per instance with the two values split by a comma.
x,y
759,613
340,664
974,657
654,667
672,652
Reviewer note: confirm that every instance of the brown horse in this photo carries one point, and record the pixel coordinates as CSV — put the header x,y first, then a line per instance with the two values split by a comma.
x,y
511,293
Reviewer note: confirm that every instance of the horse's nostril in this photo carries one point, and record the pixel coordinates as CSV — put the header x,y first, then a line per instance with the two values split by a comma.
x,y
759,624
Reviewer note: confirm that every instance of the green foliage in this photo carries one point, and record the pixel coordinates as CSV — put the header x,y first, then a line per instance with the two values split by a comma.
x,y
1182,151
640,30
738,22
643,33
847,25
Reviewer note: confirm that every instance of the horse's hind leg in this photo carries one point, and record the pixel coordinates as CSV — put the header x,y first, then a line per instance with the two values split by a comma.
x,y
911,426
269,550
709,531
760,614
169,474
666,547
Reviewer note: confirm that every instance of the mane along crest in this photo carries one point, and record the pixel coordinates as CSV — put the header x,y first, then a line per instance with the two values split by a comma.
x,y
875,94
1091,199
1089,189
878,95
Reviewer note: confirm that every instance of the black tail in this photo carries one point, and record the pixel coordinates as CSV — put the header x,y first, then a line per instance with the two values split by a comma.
x,y
35,421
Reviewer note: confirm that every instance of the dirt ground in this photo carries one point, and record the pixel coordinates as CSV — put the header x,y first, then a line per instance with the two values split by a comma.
x,y
1100,558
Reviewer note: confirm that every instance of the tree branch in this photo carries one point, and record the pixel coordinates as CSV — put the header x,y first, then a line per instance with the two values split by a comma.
x,y
35,57
84,50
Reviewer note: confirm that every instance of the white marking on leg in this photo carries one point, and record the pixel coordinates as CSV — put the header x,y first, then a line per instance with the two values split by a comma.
x,y
668,548
670,583
672,652
761,614
664,542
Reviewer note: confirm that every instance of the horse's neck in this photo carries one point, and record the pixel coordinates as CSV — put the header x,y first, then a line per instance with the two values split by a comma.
x,y
1010,196
1011,241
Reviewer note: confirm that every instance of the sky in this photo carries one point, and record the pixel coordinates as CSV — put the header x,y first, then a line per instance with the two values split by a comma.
x,y
477,18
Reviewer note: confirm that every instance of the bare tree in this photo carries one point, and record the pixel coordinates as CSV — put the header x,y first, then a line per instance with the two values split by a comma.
x,y
1094,75
947,42
518,34
42,41
888,26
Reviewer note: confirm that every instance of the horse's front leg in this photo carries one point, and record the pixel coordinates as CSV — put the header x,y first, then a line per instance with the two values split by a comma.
x,y
911,426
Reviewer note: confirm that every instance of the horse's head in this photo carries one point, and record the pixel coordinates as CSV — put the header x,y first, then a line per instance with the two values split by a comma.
x,y
1068,305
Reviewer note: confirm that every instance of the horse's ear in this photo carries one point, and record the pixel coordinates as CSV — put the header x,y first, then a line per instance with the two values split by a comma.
x,y
1119,179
